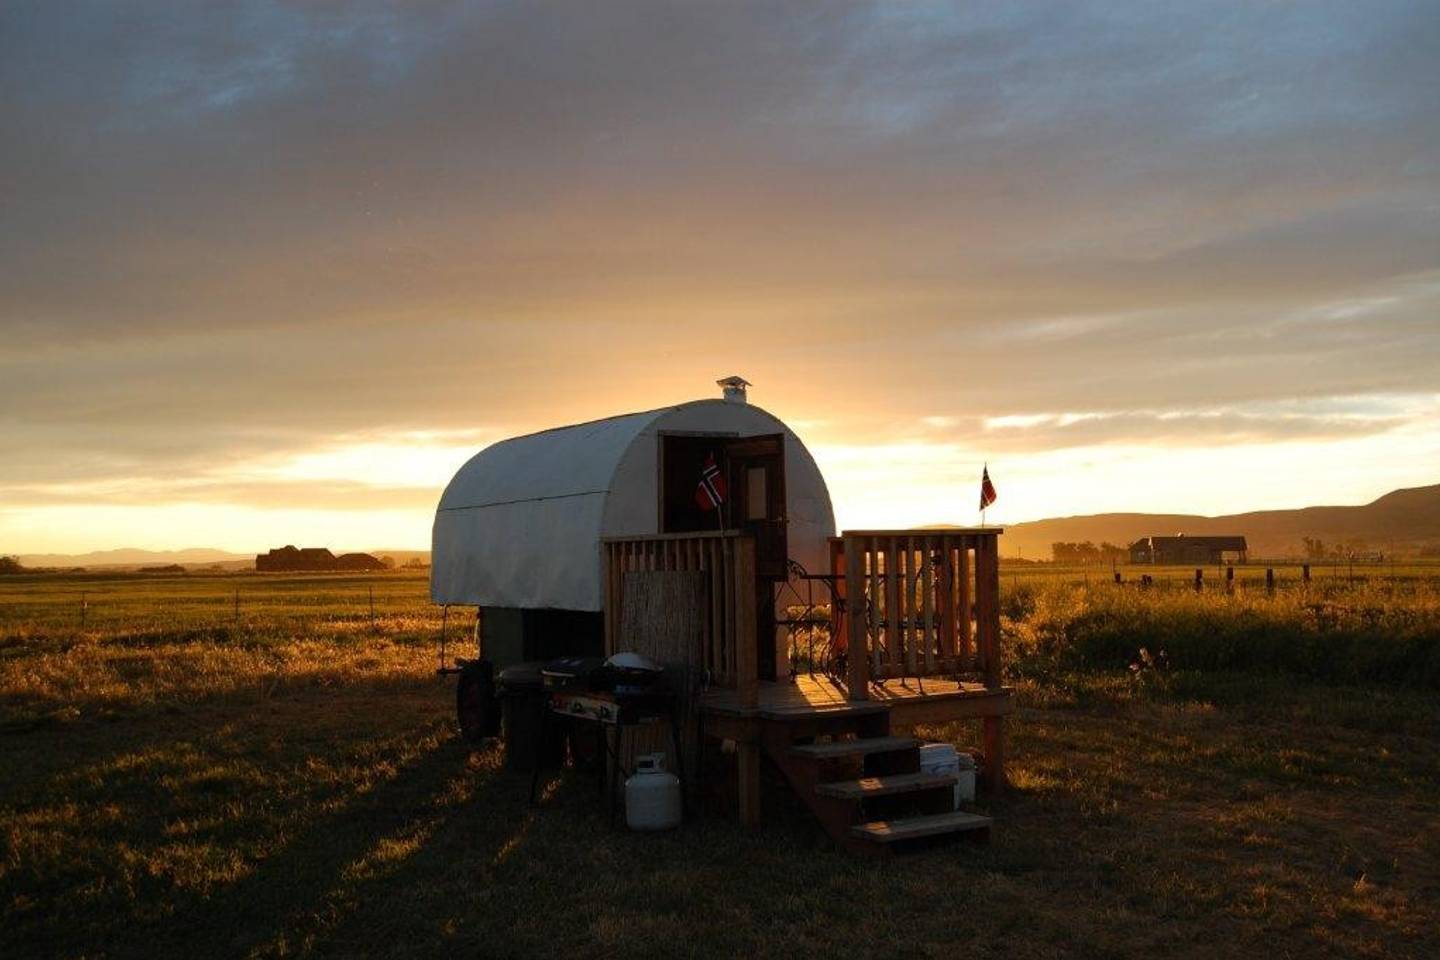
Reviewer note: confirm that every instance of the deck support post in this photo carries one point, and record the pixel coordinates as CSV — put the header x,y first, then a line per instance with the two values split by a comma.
x,y
987,609
994,771
857,646
747,757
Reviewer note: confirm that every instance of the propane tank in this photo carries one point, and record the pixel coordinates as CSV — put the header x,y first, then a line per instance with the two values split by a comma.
x,y
652,795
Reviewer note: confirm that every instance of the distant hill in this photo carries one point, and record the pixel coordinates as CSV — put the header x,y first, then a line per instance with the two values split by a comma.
x,y
1405,520
128,557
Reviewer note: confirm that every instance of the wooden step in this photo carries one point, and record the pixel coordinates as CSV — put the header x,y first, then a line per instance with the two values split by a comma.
x,y
828,711
866,787
910,828
854,748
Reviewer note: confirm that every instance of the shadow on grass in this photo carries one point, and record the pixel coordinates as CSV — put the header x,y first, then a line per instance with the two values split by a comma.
x,y
207,833
352,822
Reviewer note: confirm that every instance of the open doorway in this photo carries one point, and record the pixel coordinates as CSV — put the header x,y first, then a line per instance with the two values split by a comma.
x,y
753,470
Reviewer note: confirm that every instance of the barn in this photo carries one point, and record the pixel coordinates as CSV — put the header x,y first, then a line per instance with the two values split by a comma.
x,y
519,530
1181,549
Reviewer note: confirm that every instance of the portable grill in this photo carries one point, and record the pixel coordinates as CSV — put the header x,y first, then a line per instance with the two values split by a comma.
x,y
625,674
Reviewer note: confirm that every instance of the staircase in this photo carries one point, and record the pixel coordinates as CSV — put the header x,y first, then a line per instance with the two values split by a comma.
x,y
864,785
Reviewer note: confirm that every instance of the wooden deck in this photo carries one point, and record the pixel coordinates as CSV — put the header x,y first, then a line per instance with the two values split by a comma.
x,y
914,609
901,696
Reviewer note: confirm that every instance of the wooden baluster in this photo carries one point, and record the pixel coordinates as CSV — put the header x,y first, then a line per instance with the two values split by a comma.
x,y
837,569
717,604
965,642
927,605
874,551
747,626
858,647
730,626
886,599
707,623
905,612
946,603
894,570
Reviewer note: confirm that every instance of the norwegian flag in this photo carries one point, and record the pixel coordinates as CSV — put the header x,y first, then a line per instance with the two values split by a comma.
x,y
712,491
987,489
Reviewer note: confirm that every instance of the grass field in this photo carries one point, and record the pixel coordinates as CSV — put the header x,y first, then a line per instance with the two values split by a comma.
x,y
177,780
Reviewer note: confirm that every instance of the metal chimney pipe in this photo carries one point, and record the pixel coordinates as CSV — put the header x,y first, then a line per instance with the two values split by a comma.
x,y
733,389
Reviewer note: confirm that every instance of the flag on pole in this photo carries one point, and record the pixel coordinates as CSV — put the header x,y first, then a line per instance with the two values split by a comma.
x,y
712,491
987,489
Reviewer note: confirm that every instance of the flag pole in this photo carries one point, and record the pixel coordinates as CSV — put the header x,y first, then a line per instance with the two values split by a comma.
x,y
720,508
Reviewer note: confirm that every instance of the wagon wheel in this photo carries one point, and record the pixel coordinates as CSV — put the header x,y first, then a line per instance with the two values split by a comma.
x,y
476,708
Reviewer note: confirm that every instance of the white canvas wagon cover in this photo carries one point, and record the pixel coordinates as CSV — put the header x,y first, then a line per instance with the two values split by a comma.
x,y
520,524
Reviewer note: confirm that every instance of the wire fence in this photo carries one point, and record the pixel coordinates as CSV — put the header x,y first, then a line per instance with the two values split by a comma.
x,y
127,603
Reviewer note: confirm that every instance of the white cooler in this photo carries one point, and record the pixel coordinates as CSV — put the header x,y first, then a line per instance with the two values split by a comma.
x,y
943,758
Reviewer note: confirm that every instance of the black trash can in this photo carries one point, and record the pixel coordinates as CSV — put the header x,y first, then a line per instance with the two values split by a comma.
x,y
522,699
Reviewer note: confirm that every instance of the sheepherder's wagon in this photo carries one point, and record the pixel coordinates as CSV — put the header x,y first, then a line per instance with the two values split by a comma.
x,y
702,535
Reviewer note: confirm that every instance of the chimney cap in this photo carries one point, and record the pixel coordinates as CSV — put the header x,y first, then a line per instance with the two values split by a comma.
x,y
733,388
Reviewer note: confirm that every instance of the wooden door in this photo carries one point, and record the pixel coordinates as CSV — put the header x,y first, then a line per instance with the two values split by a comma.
x,y
756,475
754,472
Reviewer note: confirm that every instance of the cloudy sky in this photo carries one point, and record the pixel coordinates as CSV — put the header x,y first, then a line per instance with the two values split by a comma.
x,y
270,272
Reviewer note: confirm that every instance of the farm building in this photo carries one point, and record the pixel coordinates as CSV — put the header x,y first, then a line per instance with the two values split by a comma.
x,y
288,559
702,536
1181,549
359,563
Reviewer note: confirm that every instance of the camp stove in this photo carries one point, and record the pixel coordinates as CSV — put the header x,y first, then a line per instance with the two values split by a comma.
x,y
623,689
621,693
624,674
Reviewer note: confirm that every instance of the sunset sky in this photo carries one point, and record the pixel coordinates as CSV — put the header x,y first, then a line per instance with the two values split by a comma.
x,y
270,273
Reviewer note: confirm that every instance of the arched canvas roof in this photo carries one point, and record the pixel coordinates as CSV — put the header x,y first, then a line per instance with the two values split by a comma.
x,y
520,524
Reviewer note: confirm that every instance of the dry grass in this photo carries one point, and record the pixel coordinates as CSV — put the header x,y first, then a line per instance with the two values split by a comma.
x,y
292,786
1376,632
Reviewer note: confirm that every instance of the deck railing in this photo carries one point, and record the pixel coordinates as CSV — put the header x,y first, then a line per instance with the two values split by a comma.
x,y
919,604
729,652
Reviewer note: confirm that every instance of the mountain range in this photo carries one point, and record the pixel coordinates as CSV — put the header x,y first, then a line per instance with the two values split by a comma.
x,y
1401,522
129,558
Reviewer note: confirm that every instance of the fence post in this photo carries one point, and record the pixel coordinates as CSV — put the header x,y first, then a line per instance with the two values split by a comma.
x,y
1305,572
1199,579
84,608
1229,579
1270,580
1117,576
